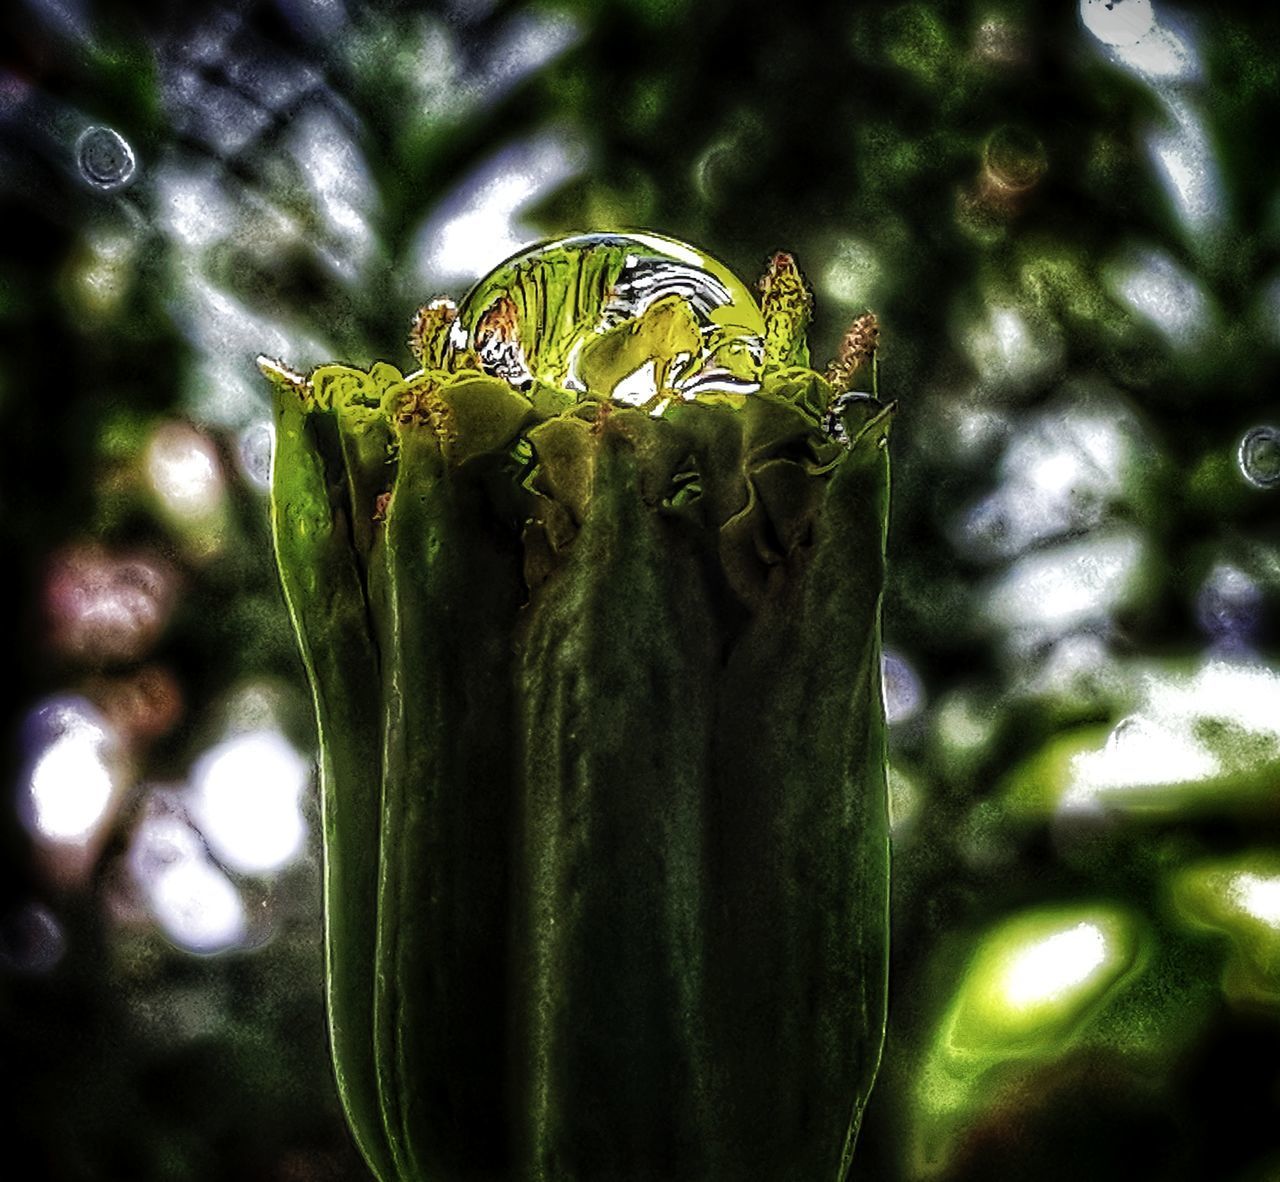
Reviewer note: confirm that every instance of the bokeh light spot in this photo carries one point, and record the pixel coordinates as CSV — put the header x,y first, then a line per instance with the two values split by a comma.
x,y
245,800
71,782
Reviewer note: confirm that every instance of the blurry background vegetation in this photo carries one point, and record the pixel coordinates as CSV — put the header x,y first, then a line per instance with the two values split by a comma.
x,y
1067,217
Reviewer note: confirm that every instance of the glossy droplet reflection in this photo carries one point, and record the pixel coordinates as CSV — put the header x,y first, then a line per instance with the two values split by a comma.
x,y
627,316
105,158
1259,456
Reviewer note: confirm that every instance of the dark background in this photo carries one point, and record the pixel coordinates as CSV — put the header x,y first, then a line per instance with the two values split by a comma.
x,y
1067,218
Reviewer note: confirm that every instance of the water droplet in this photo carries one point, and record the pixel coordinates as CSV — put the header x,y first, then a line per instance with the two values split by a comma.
x,y
106,161
1259,456
704,333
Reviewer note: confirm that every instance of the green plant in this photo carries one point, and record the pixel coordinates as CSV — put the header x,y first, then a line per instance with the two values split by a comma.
x,y
590,604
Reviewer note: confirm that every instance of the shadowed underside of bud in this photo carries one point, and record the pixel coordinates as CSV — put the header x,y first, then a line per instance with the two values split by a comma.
x,y
595,660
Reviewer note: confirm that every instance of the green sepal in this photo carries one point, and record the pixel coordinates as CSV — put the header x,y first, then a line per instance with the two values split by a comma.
x,y
791,499
566,455
336,385
368,454
716,450
484,416
806,389
445,590
802,832
613,1075
326,600
744,551
772,425
660,449
549,401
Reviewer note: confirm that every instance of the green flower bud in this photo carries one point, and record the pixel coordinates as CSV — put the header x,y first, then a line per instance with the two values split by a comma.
x,y
590,609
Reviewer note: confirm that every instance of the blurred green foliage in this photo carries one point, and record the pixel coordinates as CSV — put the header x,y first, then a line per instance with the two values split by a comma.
x,y
1070,231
